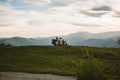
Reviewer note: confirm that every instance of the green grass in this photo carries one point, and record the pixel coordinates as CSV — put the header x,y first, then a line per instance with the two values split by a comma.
x,y
57,60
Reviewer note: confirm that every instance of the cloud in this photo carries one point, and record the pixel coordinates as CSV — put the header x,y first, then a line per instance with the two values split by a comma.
x,y
50,2
93,14
61,2
102,8
5,24
57,17
38,2
97,11
117,14
85,24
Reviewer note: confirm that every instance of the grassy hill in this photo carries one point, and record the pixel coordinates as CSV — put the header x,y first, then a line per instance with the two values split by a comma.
x,y
56,60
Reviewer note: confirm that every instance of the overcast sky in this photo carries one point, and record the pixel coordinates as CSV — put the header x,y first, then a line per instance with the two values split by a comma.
x,y
43,18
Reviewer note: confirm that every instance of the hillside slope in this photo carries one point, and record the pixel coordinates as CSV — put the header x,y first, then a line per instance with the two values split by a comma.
x,y
56,60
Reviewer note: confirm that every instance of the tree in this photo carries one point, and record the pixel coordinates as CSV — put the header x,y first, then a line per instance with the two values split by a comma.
x,y
118,41
2,44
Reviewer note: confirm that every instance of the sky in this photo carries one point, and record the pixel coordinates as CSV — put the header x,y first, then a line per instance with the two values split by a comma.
x,y
43,18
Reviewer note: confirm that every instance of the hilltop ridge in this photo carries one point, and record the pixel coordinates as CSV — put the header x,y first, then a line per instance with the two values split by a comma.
x,y
106,39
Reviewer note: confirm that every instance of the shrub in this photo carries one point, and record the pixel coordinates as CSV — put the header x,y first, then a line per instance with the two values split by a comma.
x,y
90,68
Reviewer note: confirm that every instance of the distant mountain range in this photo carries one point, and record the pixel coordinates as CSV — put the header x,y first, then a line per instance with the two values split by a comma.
x,y
107,39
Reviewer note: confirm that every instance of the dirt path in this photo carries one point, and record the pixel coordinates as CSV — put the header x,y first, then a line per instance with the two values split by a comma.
x,y
29,76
